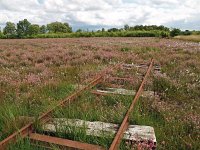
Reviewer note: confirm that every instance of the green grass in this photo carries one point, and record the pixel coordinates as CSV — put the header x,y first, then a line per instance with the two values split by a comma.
x,y
92,108
24,144
166,129
43,99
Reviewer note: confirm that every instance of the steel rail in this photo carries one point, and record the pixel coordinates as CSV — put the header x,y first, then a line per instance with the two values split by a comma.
x,y
48,141
117,139
28,129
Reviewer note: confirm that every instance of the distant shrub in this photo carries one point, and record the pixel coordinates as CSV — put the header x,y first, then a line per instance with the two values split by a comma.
x,y
175,32
164,34
186,32
196,32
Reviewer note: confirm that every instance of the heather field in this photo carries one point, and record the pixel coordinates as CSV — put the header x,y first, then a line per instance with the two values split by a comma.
x,y
35,74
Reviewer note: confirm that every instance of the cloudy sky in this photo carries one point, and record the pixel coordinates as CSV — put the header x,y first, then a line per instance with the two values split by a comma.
x,y
94,14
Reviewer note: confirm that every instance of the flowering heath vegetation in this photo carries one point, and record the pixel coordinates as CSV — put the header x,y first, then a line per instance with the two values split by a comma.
x,y
37,73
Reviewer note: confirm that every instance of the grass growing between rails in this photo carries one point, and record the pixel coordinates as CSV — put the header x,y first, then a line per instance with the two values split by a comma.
x,y
193,38
25,144
90,107
110,109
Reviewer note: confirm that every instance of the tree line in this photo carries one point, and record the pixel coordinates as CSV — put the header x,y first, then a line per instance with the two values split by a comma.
x,y
24,29
141,28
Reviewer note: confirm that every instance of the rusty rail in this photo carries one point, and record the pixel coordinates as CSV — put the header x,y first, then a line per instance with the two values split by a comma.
x,y
125,122
48,141
28,129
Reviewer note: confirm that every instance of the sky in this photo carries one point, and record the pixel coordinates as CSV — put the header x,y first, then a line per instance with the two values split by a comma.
x,y
96,14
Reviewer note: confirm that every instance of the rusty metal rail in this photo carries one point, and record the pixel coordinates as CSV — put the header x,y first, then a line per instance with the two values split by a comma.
x,y
28,129
125,121
48,141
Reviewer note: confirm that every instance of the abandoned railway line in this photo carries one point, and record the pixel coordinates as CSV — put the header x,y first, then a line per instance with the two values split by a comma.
x,y
119,131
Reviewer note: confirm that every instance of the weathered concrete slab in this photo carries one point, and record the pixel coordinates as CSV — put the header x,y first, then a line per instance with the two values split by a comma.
x,y
122,91
136,65
129,66
117,91
133,133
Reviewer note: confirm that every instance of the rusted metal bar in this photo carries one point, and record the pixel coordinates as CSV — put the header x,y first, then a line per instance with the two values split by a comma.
x,y
48,141
124,124
23,132
27,129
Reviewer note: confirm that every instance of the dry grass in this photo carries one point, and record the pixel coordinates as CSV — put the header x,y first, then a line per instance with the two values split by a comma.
x,y
194,38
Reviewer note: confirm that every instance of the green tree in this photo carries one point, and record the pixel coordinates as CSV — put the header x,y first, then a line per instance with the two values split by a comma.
x,y
126,27
1,34
9,29
43,29
69,29
113,30
175,32
163,28
148,28
34,29
23,28
79,30
59,27
103,30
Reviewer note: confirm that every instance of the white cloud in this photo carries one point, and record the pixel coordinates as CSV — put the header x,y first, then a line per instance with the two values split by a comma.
x,y
99,13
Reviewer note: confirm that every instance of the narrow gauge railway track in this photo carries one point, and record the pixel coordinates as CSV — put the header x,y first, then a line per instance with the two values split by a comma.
x,y
29,131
